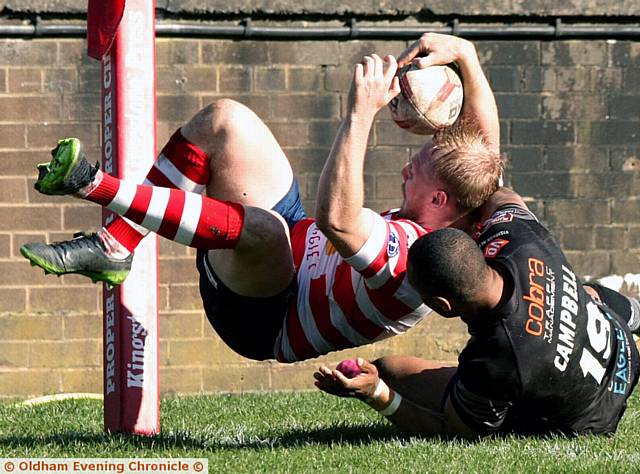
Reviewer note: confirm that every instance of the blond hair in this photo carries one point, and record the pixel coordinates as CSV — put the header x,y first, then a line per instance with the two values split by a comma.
x,y
466,163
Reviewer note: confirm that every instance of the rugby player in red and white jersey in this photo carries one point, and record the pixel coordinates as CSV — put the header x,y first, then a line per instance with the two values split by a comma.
x,y
274,283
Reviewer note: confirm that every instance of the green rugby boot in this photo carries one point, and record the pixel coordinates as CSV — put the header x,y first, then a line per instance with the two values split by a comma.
x,y
68,171
86,255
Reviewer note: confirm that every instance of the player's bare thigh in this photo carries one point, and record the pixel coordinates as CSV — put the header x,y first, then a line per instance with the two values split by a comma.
x,y
422,381
246,162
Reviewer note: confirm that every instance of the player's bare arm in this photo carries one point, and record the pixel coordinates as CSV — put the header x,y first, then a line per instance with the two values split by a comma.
x,y
479,103
408,416
502,197
339,207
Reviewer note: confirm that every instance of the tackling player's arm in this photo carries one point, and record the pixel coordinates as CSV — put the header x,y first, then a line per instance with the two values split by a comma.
x,y
479,104
340,199
502,197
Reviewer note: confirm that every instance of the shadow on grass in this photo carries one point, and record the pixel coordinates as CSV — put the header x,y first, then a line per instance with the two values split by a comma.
x,y
296,438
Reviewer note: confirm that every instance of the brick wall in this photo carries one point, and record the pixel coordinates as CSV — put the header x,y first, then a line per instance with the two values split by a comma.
x,y
569,124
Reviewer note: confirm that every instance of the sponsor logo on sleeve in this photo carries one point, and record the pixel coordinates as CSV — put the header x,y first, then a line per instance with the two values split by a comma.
x,y
494,247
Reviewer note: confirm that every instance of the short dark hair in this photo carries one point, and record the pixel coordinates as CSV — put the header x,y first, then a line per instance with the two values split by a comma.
x,y
449,264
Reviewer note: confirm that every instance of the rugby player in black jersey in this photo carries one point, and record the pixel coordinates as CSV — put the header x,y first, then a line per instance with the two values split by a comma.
x,y
546,354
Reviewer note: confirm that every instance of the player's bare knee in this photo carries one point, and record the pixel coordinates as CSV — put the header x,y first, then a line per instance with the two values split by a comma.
x,y
213,121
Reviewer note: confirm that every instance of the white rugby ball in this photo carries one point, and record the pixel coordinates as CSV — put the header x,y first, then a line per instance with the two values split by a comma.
x,y
430,99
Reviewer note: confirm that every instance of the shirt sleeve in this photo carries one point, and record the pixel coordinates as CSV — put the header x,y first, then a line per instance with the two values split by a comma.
x,y
483,415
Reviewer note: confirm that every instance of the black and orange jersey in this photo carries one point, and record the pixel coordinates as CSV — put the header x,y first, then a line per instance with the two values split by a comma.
x,y
549,359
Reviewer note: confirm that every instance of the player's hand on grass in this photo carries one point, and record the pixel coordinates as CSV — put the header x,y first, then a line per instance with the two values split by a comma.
x,y
435,48
361,386
374,85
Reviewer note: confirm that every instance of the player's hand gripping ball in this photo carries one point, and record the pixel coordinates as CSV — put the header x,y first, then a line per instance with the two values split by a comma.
x,y
349,368
430,99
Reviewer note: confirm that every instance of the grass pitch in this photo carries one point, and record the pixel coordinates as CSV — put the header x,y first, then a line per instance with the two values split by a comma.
x,y
303,432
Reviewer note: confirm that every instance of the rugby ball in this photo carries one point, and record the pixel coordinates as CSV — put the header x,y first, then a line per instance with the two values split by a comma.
x,y
430,99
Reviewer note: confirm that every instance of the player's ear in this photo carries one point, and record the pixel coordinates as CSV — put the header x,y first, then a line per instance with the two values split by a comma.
x,y
443,303
439,198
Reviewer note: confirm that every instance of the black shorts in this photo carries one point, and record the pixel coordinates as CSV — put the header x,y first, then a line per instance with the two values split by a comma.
x,y
249,326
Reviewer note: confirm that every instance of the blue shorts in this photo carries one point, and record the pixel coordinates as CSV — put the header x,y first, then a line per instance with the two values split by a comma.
x,y
249,326
290,206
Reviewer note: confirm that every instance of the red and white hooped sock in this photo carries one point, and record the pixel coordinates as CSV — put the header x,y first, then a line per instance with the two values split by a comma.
x,y
181,165
185,217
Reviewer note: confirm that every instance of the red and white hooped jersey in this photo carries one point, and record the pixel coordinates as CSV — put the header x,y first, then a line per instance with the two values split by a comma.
x,y
350,302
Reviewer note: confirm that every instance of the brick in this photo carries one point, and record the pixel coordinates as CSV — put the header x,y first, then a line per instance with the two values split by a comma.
x,y
192,352
631,235
5,245
576,158
180,381
524,158
260,104
89,80
577,212
603,185
81,217
181,325
388,133
605,81
30,327
13,190
270,79
75,52
386,158
543,185
304,52
18,218
237,379
624,53
178,270
46,136
82,380
83,107
572,79
29,383
624,107
78,299
291,134
65,354
573,106
625,210
503,79
323,133
235,79
177,51
62,80
293,377
55,202
610,132
12,136
24,81
169,248
185,297
30,108
592,263
27,53
14,354
625,158
306,79
352,52
538,132
19,163
538,79
612,237
338,78
625,261
578,238
307,160
82,326
13,300
518,105
177,108
509,53
3,80
236,53
569,53
388,186
307,106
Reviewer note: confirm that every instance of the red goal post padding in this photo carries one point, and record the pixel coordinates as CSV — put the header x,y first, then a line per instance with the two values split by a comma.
x,y
122,36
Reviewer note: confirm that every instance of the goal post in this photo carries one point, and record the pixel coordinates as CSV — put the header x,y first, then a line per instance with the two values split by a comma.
x,y
130,310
